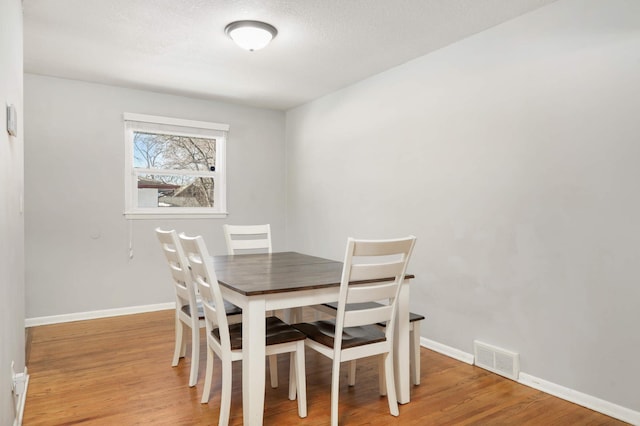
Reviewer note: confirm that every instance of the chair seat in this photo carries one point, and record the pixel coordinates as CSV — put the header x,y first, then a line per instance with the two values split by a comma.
x,y
229,307
368,305
414,330
324,332
277,331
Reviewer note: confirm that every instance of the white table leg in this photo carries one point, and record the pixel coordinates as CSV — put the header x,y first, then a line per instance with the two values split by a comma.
x,y
401,349
253,362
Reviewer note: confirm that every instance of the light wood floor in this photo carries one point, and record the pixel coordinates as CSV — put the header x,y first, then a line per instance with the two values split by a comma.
x,y
117,371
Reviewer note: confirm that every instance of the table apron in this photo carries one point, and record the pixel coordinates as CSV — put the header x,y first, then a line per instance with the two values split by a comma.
x,y
285,300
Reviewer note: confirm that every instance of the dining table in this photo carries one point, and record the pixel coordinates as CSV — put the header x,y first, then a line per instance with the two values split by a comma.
x,y
259,283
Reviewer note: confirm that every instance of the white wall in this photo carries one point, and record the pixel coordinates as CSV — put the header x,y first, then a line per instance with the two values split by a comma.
x,y
76,236
11,218
513,156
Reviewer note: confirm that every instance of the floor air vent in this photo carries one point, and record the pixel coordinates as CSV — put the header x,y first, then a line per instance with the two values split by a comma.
x,y
497,360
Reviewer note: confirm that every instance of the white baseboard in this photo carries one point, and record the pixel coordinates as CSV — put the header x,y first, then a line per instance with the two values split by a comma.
x,y
80,316
588,401
447,350
591,402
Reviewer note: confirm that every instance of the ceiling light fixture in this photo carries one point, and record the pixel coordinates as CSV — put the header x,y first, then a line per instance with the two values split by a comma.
x,y
251,35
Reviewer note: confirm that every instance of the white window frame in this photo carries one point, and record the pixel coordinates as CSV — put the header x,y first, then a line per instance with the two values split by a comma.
x,y
175,126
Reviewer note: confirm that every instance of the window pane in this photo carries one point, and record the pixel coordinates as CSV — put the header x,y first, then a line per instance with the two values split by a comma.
x,y
174,191
163,151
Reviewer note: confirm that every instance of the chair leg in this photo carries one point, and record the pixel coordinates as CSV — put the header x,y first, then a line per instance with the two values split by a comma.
x,y
178,350
273,370
208,376
297,314
225,398
292,315
195,354
414,341
391,385
352,373
292,376
335,389
382,381
301,380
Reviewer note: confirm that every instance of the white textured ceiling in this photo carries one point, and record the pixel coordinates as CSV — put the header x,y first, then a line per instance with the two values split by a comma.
x,y
179,46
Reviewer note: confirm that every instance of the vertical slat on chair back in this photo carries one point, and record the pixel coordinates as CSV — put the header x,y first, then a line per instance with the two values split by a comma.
x,y
373,271
205,278
179,268
242,238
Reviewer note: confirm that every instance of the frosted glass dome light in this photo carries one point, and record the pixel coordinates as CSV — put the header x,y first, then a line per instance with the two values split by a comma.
x,y
251,35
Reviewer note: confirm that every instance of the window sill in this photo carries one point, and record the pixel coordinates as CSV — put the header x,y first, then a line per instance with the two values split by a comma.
x,y
173,215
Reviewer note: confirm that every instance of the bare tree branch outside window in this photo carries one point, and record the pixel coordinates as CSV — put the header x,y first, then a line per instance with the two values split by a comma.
x,y
162,152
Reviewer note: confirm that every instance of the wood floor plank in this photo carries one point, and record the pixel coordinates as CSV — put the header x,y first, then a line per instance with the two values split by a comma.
x,y
117,371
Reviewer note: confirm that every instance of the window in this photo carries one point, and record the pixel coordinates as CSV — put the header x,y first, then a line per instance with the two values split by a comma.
x,y
174,168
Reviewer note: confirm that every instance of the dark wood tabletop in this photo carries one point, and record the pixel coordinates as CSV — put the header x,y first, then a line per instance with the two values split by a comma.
x,y
255,274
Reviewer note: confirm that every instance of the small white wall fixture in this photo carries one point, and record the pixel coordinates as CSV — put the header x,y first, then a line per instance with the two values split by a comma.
x,y
12,120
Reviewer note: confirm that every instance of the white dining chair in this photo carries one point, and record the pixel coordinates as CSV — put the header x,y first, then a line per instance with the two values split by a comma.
x,y
244,239
373,270
225,340
188,312
248,239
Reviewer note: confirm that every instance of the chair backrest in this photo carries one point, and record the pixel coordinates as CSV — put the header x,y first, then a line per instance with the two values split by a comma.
x,y
204,276
179,268
373,270
242,239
